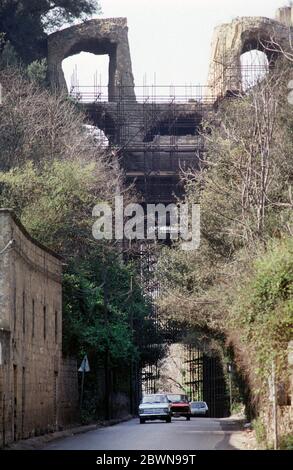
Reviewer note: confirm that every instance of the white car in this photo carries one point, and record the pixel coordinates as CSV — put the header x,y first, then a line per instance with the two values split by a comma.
x,y
155,406
199,408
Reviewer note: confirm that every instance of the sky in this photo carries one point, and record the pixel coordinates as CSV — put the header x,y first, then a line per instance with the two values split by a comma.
x,y
169,39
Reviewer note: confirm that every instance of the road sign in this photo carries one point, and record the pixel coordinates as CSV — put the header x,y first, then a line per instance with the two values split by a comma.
x,y
84,367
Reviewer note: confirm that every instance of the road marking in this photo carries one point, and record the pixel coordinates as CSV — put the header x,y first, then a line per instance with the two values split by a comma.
x,y
221,433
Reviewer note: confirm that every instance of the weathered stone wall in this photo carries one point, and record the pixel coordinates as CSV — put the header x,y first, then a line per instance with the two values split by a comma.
x,y
6,410
32,379
98,36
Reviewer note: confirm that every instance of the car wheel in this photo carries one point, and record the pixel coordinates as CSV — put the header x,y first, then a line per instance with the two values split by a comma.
x,y
141,420
187,418
168,420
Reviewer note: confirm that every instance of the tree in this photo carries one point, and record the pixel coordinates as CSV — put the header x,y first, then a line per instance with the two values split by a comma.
x,y
26,22
8,56
245,183
37,125
86,328
54,200
37,72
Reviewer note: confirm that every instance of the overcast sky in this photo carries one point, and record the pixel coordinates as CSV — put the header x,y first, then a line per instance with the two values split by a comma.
x,y
169,38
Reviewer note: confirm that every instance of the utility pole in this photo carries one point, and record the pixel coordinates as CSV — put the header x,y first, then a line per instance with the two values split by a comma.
x,y
275,406
131,391
229,368
108,390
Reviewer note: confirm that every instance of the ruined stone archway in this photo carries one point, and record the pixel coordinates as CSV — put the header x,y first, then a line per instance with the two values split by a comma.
x,y
231,40
108,36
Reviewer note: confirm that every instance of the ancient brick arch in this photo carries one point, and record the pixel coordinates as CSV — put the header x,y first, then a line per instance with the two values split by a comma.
x,y
106,36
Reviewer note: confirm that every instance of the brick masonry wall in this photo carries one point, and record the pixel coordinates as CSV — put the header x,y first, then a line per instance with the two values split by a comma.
x,y
34,378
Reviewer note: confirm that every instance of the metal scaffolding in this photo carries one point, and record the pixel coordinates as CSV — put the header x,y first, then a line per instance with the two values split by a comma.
x,y
157,135
194,373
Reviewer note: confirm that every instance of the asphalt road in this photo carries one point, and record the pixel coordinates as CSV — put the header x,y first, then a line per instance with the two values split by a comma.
x,y
196,434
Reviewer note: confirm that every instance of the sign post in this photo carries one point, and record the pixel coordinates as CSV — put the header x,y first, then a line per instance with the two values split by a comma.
x,y
229,370
84,367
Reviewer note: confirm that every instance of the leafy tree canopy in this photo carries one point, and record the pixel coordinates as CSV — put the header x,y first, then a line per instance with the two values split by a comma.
x,y
26,22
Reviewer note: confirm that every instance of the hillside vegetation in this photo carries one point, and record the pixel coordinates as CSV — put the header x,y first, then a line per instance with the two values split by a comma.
x,y
240,280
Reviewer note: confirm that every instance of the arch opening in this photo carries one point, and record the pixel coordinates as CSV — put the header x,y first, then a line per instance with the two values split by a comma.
x,y
97,117
89,77
184,125
97,134
255,65
193,364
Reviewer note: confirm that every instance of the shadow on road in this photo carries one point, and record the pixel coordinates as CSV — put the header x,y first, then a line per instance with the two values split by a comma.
x,y
229,426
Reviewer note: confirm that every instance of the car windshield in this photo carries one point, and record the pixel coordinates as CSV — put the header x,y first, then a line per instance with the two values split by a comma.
x,y
154,399
198,403
178,398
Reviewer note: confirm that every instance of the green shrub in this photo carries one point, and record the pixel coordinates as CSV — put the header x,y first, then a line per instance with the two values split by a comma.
x,y
237,408
263,310
260,432
286,442
37,71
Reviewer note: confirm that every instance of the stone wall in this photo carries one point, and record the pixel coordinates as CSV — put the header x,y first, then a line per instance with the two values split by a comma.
x,y
34,379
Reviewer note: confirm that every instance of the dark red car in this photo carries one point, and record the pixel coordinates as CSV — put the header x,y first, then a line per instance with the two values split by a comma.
x,y
179,405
